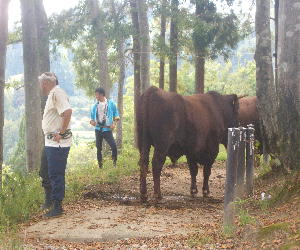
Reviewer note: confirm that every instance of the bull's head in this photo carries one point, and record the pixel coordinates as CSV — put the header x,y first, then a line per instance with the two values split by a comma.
x,y
233,102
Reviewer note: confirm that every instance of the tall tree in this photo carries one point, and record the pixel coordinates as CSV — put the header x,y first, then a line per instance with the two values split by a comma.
x,y
43,36
97,24
289,84
145,44
136,58
3,46
266,92
120,41
32,93
199,59
173,46
276,12
43,49
214,34
162,42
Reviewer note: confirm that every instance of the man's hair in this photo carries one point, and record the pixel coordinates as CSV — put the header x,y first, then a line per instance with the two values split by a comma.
x,y
48,76
100,91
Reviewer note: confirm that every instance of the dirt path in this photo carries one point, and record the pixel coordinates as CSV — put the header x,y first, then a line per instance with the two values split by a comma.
x,y
111,216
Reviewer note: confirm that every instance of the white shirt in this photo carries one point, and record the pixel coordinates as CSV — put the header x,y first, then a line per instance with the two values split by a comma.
x,y
101,109
57,103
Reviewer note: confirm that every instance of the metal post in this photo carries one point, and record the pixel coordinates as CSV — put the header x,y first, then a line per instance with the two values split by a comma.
x,y
231,164
241,163
249,159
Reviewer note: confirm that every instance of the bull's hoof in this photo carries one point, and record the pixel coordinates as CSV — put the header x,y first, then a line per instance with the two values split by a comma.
x,y
205,193
144,199
194,191
157,198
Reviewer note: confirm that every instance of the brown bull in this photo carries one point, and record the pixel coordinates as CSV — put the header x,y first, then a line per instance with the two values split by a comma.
x,y
176,125
248,114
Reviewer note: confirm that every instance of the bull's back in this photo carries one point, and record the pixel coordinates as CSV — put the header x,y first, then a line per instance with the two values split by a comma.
x,y
248,111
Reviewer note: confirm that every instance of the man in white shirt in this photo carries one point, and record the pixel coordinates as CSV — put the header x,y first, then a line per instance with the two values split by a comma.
x,y
56,128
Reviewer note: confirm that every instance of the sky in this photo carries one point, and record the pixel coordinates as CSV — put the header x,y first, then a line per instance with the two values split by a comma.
x,y
56,6
51,6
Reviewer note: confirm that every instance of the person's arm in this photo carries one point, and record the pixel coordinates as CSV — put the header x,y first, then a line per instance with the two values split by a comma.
x,y
116,117
63,107
66,117
92,121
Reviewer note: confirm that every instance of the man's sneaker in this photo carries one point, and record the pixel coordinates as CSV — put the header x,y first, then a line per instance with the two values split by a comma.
x,y
115,164
100,164
56,211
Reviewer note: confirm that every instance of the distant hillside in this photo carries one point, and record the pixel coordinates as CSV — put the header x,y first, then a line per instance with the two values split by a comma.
x,y
61,64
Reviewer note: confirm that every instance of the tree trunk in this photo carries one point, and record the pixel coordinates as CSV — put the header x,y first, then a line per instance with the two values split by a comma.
x,y
121,60
136,59
44,55
276,7
163,23
3,46
199,73
145,44
265,88
173,46
32,93
199,60
43,36
289,83
120,93
96,17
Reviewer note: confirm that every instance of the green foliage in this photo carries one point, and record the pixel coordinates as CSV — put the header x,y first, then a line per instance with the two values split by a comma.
x,y
73,29
245,218
17,158
19,199
22,194
228,230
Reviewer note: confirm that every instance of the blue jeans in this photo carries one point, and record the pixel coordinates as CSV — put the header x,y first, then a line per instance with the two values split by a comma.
x,y
57,162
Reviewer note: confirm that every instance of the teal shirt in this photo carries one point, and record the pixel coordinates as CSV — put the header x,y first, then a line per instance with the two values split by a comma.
x,y
112,113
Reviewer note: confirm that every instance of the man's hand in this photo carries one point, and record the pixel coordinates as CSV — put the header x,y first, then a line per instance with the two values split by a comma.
x,y
57,137
112,127
93,123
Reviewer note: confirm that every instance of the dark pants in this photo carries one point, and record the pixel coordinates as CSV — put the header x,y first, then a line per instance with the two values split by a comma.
x,y
44,172
53,170
108,136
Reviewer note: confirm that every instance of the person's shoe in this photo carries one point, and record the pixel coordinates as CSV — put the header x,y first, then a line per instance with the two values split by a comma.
x,y
48,201
115,163
100,164
56,211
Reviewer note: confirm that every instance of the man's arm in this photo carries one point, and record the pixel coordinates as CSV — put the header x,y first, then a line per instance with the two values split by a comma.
x,y
66,116
116,117
92,121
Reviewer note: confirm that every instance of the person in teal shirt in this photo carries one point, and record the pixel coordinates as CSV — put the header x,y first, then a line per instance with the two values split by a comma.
x,y
104,116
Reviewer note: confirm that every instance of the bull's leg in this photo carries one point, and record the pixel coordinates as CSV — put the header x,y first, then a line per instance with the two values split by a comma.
x,y
144,165
194,172
158,161
206,174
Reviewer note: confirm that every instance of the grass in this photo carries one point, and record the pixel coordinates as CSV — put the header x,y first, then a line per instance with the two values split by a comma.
x,y
199,241
228,230
268,230
245,218
222,156
22,195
